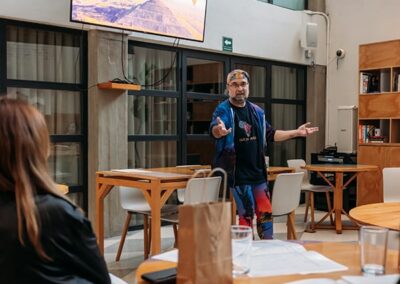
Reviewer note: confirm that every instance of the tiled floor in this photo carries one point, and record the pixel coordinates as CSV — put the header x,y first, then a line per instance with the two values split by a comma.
x,y
132,254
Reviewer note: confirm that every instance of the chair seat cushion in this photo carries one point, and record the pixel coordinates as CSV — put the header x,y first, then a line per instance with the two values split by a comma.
x,y
167,208
316,188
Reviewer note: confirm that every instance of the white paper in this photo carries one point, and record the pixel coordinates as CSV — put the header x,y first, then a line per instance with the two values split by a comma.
x,y
275,246
275,257
317,281
129,171
283,258
171,255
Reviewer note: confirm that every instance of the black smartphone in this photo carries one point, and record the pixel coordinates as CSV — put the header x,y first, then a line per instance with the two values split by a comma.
x,y
166,276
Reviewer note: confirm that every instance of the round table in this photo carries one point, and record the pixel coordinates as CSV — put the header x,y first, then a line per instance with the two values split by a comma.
x,y
378,214
338,188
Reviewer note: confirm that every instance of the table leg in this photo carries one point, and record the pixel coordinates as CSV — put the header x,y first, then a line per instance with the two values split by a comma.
x,y
101,192
155,217
338,201
233,208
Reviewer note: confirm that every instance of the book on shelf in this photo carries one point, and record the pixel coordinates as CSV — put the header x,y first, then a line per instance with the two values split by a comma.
x,y
366,133
364,81
377,139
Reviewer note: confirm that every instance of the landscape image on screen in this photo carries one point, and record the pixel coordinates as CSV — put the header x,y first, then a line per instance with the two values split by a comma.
x,y
175,18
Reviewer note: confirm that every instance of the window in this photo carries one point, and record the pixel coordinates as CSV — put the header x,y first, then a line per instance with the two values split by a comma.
x,y
152,112
204,87
288,98
169,121
44,67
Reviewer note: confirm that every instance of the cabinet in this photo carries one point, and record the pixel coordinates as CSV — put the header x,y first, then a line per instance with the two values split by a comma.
x,y
378,115
199,116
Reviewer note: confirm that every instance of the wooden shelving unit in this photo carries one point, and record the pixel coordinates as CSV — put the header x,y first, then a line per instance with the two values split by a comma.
x,y
378,112
118,86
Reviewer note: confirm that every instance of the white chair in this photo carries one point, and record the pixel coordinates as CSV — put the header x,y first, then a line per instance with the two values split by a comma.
x,y
391,186
198,190
309,190
133,201
180,193
286,198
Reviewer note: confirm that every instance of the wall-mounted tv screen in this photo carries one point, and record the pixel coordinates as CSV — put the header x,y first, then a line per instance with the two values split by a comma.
x,y
174,18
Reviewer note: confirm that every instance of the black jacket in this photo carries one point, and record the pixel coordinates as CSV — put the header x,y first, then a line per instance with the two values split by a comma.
x,y
67,237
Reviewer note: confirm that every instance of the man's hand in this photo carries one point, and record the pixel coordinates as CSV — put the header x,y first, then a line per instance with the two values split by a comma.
x,y
304,130
220,130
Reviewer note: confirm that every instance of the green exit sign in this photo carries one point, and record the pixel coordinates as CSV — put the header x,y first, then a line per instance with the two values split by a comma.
x,y
227,44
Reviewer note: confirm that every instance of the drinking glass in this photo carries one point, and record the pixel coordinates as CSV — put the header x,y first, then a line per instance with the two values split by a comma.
x,y
242,237
373,246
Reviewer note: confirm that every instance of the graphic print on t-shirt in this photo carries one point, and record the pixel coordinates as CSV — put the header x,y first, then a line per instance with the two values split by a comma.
x,y
246,127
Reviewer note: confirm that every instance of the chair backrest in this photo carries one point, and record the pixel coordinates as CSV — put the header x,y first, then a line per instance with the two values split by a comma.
x,y
286,193
297,164
132,199
203,189
391,186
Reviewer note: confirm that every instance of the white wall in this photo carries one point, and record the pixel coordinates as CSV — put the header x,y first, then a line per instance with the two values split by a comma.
x,y
258,29
353,23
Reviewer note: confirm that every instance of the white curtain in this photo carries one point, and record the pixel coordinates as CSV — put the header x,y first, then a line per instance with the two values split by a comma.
x,y
284,116
46,56
155,70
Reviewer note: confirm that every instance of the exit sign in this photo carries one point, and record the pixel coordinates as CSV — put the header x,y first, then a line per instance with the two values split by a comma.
x,y
227,44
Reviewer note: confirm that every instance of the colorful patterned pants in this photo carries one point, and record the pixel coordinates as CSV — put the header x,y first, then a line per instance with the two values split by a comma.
x,y
252,199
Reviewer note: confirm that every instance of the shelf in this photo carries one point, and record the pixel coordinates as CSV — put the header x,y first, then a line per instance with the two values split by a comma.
x,y
118,86
379,144
378,115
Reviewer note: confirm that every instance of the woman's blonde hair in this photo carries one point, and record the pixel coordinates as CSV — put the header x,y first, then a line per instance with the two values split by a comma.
x,y
24,148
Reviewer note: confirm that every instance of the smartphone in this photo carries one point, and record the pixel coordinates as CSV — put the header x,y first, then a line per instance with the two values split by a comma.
x,y
166,276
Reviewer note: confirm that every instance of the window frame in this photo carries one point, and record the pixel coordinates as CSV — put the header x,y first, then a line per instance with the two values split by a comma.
x,y
76,87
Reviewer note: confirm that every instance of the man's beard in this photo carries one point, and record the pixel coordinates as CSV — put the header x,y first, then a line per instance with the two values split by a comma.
x,y
240,99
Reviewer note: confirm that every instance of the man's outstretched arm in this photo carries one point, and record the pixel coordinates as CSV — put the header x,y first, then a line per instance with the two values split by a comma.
x,y
302,131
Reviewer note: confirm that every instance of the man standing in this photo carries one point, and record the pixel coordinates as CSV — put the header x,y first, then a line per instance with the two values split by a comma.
x,y
241,134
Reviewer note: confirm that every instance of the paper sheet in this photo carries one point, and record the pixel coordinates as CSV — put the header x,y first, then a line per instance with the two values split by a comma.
x,y
171,255
275,257
129,171
281,258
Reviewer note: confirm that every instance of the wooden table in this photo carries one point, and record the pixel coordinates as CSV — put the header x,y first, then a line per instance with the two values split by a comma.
x,y
378,214
338,188
156,184
347,254
274,171
385,215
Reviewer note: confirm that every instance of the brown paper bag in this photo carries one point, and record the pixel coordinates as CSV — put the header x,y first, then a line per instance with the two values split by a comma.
x,y
204,242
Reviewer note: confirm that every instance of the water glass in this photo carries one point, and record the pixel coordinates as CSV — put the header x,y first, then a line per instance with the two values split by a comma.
x,y
266,158
373,246
242,237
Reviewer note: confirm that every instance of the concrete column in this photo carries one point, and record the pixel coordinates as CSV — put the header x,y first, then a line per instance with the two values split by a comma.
x,y
107,121
316,98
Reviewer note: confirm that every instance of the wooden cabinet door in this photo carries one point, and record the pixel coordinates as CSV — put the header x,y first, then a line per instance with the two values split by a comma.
x,y
369,184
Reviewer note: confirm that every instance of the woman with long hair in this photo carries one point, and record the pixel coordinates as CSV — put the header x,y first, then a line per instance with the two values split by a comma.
x,y
44,238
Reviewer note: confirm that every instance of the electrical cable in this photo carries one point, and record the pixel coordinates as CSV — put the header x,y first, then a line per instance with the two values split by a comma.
x,y
173,59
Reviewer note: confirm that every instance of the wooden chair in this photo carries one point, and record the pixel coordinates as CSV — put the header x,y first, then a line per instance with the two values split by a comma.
x,y
309,190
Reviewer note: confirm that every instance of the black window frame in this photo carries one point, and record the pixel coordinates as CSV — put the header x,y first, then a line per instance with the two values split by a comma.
x,y
81,87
